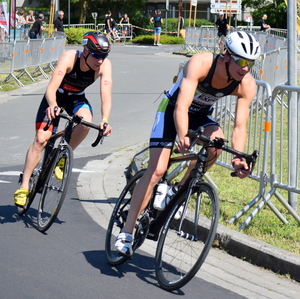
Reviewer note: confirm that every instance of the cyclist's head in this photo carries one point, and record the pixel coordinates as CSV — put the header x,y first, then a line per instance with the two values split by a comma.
x,y
242,44
96,42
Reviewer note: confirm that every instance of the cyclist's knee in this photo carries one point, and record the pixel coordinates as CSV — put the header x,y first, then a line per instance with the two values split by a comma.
x,y
156,174
41,138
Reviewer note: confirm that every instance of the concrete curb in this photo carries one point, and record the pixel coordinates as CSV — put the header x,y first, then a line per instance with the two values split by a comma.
x,y
99,191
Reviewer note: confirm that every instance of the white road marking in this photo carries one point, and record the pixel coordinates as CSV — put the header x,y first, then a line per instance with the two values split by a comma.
x,y
17,173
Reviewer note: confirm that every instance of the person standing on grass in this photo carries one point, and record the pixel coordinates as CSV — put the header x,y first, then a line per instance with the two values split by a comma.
x,y
157,21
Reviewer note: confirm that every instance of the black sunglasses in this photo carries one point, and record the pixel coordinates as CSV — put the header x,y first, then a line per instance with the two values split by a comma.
x,y
98,55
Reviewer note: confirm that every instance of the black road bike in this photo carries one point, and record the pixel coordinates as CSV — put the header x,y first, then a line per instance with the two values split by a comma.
x,y
184,242
43,179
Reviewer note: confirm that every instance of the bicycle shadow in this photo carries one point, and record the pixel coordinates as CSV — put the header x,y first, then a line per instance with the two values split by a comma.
x,y
8,214
142,266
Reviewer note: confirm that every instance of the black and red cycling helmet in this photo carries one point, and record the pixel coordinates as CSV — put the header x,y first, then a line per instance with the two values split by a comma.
x,y
96,42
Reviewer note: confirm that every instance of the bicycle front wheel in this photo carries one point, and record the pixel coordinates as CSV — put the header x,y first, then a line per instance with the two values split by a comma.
x,y
184,243
55,188
118,219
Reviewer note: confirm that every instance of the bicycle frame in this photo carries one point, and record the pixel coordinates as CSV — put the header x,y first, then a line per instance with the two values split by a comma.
x,y
196,174
50,154
158,222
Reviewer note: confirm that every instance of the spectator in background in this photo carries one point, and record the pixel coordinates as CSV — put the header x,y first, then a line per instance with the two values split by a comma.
x,y
58,23
124,22
110,26
37,27
263,26
223,27
157,21
30,19
21,20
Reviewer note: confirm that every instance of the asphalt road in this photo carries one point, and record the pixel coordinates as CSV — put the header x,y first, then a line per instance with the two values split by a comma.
x,y
68,261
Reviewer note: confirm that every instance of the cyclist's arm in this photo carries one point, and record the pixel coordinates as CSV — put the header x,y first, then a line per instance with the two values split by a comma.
x,y
194,72
106,93
65,65
246,93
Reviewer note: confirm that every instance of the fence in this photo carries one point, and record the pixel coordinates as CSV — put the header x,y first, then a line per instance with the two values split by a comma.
x,y
123,32
267,132
24,54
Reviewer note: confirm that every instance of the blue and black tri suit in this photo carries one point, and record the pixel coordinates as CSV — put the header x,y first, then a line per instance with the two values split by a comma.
x,y
164,131
70,94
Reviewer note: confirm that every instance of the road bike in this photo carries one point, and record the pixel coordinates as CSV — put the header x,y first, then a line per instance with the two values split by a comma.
x,y
43,180
182,243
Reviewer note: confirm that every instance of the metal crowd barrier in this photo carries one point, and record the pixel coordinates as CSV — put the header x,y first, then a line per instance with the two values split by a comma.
x,y
21,55
266,134
123,31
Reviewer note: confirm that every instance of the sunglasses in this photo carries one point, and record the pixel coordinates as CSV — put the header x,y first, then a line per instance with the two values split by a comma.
x,y
98,56
243,62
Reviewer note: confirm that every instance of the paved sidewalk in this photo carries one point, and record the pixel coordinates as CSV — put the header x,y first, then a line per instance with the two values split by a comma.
x,y
100,184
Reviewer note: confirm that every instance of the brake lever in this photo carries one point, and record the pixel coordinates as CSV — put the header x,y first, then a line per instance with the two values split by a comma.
x,y
50,121
100,136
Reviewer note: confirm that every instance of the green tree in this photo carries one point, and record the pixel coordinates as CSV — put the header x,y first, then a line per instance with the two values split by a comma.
x,y
276,12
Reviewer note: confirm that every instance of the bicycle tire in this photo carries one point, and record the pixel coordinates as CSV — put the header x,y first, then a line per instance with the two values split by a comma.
x,y
118,219
178,258
54,190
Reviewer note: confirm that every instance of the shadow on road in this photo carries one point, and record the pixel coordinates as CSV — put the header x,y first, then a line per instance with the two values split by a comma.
x,y
141,265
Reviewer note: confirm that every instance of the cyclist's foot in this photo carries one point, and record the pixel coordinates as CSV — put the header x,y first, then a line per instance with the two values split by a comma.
x,y
155,44
20,197
159,44
59,169
124,244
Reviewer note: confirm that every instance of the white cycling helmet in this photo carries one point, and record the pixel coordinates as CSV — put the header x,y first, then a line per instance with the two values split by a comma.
x,y
242,44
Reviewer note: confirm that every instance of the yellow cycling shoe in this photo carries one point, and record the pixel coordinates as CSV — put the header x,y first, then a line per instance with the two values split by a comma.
x,y
20,196
59,169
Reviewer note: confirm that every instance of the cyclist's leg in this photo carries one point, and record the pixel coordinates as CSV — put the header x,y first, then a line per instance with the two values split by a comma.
x,y
33,155
161,142
157,166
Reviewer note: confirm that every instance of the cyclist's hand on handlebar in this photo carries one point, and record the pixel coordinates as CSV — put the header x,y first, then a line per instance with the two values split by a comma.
x,y
52,111
241,168
108,128
183,145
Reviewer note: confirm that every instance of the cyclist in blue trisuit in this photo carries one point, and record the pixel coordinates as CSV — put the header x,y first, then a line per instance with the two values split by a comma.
x,y
75,71
188,105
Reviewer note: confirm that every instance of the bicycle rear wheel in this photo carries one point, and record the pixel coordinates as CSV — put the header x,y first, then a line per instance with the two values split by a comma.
x,y
55,189
184,244
118,219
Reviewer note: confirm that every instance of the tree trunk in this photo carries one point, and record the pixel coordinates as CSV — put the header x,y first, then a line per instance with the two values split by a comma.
x,y
83,11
